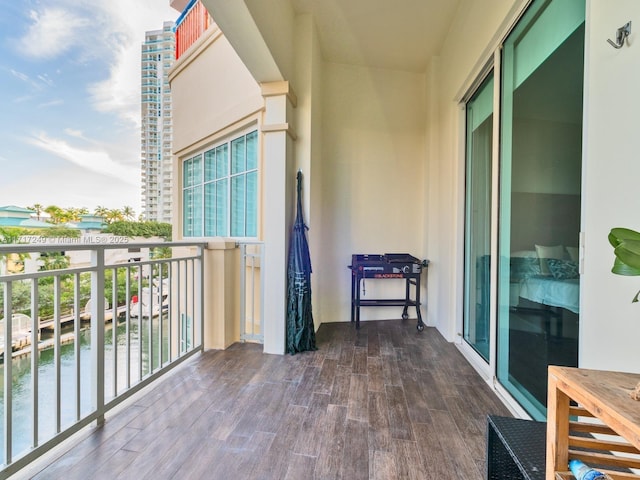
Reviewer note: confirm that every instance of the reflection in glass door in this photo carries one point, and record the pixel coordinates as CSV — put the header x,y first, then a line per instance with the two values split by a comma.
x,y
540,188
479,126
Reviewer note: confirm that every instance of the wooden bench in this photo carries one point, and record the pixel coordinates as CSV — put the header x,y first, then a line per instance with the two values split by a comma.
x,y
515,448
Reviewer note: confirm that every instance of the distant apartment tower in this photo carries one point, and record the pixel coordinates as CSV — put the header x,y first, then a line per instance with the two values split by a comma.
x,y
158,56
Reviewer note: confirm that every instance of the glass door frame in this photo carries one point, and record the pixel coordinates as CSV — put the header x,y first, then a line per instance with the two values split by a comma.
x,y
492,67
493,63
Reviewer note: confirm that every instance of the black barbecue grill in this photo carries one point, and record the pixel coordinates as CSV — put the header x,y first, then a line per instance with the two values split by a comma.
x,y
387,266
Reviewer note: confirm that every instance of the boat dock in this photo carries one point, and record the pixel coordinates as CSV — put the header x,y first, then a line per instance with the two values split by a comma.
x,y
84,317
21,339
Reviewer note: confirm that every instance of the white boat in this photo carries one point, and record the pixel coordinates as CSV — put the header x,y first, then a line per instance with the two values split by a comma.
x,y
141,306
20,332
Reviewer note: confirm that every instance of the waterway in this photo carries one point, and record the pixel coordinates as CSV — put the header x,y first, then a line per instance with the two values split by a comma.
x,y
22,401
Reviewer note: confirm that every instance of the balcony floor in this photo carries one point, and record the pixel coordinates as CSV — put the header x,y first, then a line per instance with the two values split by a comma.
x,y
382,403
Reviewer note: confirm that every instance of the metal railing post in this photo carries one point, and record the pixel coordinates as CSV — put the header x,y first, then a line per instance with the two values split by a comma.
x,y
8,374
200,289
25,443
97,332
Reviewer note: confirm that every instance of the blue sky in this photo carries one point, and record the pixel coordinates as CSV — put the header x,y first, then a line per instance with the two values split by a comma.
x,y
70,100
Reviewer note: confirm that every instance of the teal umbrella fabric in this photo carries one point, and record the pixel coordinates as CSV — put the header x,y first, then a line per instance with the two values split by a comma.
x,y
301,334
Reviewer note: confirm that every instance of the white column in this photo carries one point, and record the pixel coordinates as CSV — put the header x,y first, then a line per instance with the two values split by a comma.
x,y
277,208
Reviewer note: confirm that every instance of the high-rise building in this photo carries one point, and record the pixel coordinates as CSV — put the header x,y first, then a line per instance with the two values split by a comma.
x,y
158,56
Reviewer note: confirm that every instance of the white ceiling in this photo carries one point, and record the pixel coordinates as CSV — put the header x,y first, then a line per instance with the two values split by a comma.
x,y
397,34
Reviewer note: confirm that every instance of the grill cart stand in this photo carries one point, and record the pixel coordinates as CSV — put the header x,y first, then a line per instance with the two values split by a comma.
x,y
385,267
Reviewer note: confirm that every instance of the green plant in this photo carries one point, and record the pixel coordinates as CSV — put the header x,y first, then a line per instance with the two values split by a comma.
x,y
626,248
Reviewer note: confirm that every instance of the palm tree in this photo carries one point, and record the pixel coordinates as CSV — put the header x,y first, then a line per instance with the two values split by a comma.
x,y
128,212
74,213
114,215
56,214
38,208
54,261
101,211
10,236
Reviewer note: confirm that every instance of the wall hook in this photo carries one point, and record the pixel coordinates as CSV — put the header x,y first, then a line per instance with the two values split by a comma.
x,y
622,33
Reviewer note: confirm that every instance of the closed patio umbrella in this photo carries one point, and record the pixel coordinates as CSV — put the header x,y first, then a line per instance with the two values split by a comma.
x,y
300,331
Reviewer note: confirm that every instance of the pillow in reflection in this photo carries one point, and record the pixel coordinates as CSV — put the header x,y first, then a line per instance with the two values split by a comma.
x,y
563,269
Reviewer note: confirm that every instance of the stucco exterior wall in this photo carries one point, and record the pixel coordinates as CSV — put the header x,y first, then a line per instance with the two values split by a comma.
x,y
372,178
609,322
468,46
208,107
205,101
308,145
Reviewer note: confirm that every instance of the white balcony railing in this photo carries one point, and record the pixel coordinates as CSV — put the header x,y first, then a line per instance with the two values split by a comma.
x,y
95,333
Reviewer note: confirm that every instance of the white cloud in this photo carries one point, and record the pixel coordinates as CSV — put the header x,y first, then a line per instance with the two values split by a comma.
x,y
22,76
111,32
103,38
51,103
52,32
97,161
73,133
45,79
23,98
120,92
37,85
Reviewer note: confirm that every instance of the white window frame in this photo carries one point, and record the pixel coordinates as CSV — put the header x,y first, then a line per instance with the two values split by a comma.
x,y
203,181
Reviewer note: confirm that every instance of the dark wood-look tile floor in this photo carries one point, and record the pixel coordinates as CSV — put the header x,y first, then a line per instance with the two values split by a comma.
x,y
384,402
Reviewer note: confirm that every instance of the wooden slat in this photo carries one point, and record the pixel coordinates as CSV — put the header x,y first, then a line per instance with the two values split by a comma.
x,y
579,412
613,474
602,444
594,458
591,428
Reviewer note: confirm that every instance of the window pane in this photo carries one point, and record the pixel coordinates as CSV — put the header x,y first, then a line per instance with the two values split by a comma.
x,y
197,211
188,173
222,197
197,170
238,206
540,190
238,155
252,204
210,209
187,201
222,161
209,165
252,150
477,258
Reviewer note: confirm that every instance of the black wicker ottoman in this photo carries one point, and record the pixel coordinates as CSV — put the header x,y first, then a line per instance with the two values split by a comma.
x,y
516,449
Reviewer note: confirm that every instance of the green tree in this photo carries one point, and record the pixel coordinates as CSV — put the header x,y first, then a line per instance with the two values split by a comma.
x,y
101,211
129,213
10,236
56,214
38,208
114,215
74,214
140,229
57,232
54,261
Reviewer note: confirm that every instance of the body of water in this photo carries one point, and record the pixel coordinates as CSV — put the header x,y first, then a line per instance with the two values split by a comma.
x,y
22,391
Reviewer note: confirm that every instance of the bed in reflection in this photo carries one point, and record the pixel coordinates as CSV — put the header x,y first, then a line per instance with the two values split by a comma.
x,y
544,282
564,293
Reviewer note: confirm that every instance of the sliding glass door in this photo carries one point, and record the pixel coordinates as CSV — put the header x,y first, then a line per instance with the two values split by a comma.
x,y
540,188
479,135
